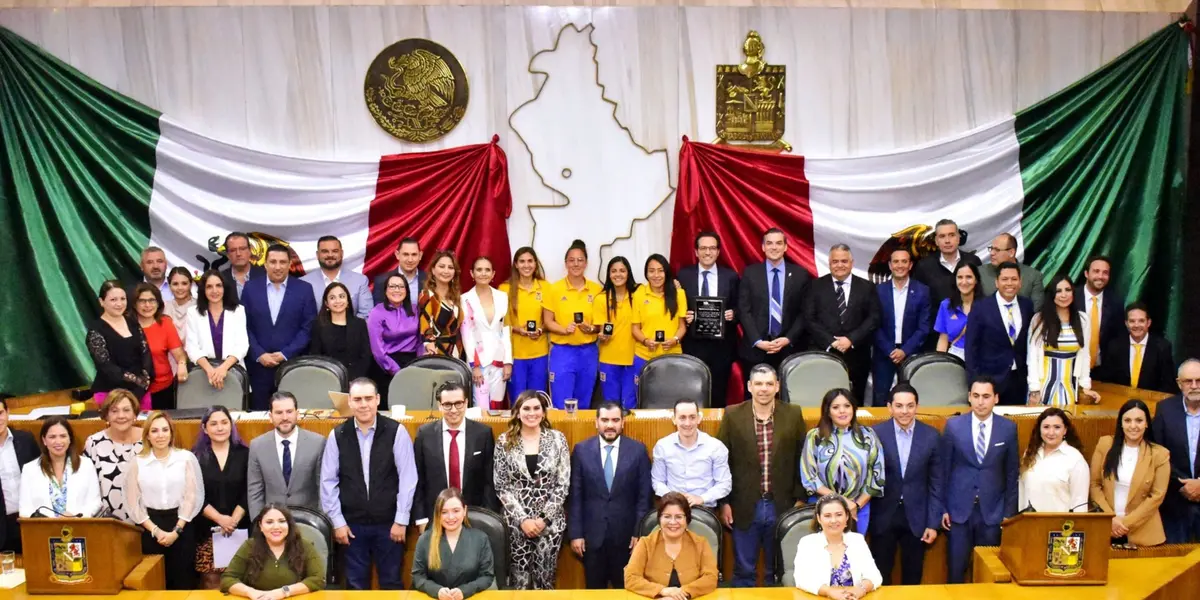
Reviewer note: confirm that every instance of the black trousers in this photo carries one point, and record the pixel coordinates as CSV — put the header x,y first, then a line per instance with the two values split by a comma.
x,y
180,557
12,534
897,534
719,356
164,399
1015,390
383,380
604,567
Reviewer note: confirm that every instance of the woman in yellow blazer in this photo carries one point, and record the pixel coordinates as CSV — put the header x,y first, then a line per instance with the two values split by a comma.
x,y
672,562
1129,477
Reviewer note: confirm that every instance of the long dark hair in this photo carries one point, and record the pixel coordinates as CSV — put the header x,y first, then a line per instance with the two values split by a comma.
x,y
182,272
956,300
259,550
670,292
1113,458
325,315
1035,438
825,426
203,446
610,290
408,302
229,297
514,277
1050,326
72,453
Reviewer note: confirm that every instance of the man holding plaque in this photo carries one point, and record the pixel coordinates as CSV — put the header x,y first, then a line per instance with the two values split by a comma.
x,y
712,292
769,304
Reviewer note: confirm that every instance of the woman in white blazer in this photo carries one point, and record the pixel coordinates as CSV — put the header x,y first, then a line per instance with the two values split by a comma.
x,y
1059,361
60,483
216,310
486,337
833,562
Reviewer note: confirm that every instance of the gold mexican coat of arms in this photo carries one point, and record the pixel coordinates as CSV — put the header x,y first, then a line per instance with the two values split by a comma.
x,y
750,97
68,558
416,90
1064,552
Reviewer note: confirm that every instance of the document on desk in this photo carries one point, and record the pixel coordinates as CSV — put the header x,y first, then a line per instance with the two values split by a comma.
x,y
225,546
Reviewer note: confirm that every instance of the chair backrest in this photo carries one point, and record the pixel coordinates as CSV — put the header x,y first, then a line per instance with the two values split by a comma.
x,y
791,526
705,523
414,386
318,530
670,377
196,392
939,377
806,377
311,378
497,531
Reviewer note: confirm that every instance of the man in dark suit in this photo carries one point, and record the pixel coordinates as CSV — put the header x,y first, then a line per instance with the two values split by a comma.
x,y
936,271
842,314
610,493
980,461
769,303
904,323
279,313
909,512
764,437
453,452
238,272
1142,359
1177,426
711,280
16,449
1103,308
998,337
408,255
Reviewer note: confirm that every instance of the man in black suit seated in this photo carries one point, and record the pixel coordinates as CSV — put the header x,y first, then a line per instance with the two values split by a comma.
x,y
936,271
1104,309
770,300
1141,360
16,449
408,255
239,270
453,452
709,279
842,313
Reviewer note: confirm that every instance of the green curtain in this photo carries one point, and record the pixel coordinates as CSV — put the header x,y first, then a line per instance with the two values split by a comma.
x,y
1103,164
75,178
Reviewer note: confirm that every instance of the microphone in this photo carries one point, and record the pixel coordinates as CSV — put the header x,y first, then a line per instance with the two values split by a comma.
x,y
1031,509
40,514
433,386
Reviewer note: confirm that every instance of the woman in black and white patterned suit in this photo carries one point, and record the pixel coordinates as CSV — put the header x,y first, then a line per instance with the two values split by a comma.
x,y
532,476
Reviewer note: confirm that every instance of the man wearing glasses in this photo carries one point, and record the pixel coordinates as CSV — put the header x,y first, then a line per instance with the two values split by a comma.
x,y
239,270
1177,427
1002,250
453,452
708,279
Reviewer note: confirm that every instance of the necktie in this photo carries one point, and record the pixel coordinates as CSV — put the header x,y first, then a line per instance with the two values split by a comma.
x,y
980,444
610,470
1136,372
1094,343
841,300
775,325
287,461
455,475
704,286
1012,324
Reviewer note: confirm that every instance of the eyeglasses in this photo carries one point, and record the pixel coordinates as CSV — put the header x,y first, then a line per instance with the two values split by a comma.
x,y
453,405
999,249
1189,382
147,301
395,286
708,248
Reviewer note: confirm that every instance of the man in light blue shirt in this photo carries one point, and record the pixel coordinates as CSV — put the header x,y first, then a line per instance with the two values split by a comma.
x,y
1177,427
690,461
329,257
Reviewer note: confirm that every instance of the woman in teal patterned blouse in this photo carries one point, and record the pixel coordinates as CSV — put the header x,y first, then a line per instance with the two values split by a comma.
x,y
842,457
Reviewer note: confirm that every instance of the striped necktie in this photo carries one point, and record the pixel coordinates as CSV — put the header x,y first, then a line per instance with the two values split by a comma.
x,y
980,443
841,301
1012,324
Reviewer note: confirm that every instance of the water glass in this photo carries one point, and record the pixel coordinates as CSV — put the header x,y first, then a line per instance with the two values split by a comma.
x,y
571,405
8,562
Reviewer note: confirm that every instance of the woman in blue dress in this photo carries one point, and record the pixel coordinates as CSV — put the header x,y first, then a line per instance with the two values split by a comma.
x,y
951,321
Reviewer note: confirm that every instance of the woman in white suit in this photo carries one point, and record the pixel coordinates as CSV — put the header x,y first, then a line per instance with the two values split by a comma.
x,y
216,329
833,562
60,483
486,336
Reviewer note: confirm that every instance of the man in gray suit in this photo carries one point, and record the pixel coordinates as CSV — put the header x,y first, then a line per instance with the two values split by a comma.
x,y
1002,250
285,464
329,257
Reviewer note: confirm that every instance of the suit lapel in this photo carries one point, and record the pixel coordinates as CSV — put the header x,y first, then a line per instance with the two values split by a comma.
x,y
891,446
1138,480
437,450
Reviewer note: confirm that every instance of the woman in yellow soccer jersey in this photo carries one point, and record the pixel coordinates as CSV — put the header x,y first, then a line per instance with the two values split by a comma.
x,y
527,289
568,318
613,312
659,310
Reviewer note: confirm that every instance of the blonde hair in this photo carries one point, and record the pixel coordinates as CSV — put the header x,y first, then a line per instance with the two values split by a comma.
x,y
114,398
154,416
435,537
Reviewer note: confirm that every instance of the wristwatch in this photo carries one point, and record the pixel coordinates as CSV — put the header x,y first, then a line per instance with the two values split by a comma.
x,y
287,592
178,530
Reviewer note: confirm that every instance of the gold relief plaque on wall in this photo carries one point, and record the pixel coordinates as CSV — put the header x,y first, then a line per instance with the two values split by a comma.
x,y
750,98
416,90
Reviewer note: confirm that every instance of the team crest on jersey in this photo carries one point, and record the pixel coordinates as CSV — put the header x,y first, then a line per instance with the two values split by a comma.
x,y
591,298
538,295
551,376
602,377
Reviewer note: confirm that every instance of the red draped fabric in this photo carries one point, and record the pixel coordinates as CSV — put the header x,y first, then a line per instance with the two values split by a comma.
x,y
456,199
739,194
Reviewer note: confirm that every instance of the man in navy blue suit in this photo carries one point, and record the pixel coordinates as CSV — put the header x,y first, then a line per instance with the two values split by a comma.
x,y
279,313
980,461
610,493
909,511
1177,427
998,336
903,322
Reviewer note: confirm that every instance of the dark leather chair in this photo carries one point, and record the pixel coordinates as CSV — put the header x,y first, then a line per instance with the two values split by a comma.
x,y
311,378
196,392
496,529
939,377
705,523
414,386
806,376
791,526
670,377
316,528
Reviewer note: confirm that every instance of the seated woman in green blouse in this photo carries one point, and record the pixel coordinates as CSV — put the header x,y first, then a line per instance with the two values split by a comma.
x,y
275,562
452,561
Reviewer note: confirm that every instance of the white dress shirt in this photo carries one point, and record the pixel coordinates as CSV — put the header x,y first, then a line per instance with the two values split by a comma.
x,y
949,266
712,282
814,562
157,485
1133,344
987,432
462,449
294,439
1057,482
845,287
1125,468
1087,302
83,489
10,473
899,300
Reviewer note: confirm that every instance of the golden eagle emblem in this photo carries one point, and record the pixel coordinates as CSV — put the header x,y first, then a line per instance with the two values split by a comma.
x,y
259,242
917,239
416,90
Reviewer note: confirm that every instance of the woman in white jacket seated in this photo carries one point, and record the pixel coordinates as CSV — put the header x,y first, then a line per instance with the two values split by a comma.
x,y
60,483
486,336
833,562
216,329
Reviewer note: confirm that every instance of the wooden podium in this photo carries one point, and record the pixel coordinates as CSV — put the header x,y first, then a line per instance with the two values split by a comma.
x,y
78,556
1057,548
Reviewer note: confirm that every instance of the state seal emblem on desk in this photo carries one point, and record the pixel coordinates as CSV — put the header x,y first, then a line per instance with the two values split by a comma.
x,y
68,558
416,90
750,98
1064,552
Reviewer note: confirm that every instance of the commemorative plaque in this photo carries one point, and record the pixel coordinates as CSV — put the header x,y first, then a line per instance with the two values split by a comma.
x,y
709,323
